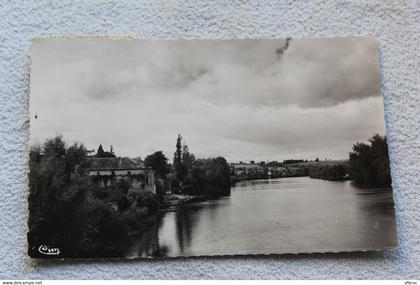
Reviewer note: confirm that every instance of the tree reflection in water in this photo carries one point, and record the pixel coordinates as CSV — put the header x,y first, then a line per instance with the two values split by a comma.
x,y
184,225
276,216
147,243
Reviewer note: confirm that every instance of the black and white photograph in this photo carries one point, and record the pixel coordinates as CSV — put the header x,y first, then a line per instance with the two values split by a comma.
x,y
180,148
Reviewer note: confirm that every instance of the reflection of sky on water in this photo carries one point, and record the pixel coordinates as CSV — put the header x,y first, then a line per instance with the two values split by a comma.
x,y
278,216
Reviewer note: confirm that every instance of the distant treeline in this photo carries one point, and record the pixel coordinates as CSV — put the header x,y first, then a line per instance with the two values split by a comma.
x,y
368,165
334,172
275,163
68,212
290,161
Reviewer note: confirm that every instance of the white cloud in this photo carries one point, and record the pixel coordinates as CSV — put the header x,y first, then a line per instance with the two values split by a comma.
x,y
231,98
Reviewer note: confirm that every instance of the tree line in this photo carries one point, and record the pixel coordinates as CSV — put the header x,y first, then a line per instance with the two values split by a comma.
x,y
188,175
369,163
69,212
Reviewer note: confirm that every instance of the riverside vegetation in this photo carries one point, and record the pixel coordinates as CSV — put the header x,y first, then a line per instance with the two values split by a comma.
x,y
368,165
68,211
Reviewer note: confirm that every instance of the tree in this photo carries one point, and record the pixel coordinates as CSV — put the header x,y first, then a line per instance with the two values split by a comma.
x,y
75,158
178,167
66,212
56,193
187,162
211,177
158,162
55,147
369,164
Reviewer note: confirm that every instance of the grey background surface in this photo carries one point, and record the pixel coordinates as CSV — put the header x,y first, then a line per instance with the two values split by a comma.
x,y
393,22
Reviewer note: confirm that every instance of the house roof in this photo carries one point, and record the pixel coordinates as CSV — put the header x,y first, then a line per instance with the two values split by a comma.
x,y
114,163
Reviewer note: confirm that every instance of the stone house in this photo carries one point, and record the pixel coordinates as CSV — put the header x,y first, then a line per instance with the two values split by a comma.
x,y
105,171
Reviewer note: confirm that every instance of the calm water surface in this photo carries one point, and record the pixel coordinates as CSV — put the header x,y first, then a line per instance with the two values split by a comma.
x,y
285,215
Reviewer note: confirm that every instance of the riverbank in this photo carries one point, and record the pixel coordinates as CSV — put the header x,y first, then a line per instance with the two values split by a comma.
x,y
332,178
170,202
234,180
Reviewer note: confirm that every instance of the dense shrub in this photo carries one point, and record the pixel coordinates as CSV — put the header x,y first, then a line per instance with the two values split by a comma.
x,y
369,163
331,171
68,212
205,177
210,177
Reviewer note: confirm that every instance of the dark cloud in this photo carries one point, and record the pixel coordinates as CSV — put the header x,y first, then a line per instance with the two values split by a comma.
x,y
239,98
313,73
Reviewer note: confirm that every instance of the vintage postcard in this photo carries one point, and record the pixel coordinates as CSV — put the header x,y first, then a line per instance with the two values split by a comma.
x,y
154,148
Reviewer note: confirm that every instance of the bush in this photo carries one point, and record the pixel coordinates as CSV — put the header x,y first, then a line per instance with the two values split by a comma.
x,y
67,211
369,164
210,177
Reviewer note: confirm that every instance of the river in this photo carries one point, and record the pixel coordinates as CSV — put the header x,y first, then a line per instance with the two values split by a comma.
x,y
284,215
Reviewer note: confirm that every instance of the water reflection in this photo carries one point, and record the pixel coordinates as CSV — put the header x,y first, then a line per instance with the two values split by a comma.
x,y
147,243
283,215
184,227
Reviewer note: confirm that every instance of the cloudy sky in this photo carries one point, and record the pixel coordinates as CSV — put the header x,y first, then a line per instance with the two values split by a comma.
x,y
242,99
